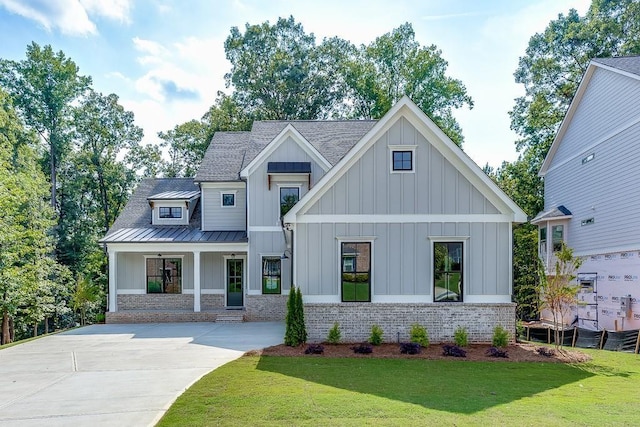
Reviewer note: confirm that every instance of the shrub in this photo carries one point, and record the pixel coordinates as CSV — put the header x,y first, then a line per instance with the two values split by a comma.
x,y
520,331
314,349
496,352
376,335
453,350
295,331
500,337
546,352
460,337
410,348
362,349
418,335
334,334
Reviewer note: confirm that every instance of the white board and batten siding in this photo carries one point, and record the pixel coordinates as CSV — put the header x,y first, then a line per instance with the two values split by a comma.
x,y
605,124
402,214
216,217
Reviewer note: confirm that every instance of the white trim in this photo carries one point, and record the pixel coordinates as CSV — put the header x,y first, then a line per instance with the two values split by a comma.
x,y
394,148
438,140
409,218
197,281
265,228
486,299
212,291
234,193
254,292
188,292
315,299
356,239
272,255
288,131
113,284
168,247
280,186
163,256
404,299
133,292
243,257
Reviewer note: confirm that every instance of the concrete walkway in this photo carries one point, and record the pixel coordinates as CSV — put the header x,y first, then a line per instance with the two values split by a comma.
x,y
117,375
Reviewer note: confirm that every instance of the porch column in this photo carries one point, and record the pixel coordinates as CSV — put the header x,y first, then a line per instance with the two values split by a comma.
x,y
113,297
196,281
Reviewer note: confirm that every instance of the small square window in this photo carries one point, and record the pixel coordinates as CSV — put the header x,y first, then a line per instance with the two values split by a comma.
x,y
228,200
402,160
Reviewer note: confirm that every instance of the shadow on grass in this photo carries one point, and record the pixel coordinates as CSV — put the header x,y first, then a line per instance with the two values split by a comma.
x,y
452,386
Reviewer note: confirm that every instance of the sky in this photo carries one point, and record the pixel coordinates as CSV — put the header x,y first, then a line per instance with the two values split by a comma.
x,y
165,58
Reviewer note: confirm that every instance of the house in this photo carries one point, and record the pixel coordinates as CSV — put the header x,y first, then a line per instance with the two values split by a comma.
x,y
384,222
590,195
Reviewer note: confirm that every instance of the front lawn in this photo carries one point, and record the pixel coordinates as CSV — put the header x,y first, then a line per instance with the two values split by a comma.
x,y
318,391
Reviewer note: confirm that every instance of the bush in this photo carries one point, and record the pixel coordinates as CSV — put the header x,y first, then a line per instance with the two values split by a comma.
x,y
410,348
546,352
460,337
376,335
295,331
500,337
362,349
496,352
418,335
453,350
314,349
334,334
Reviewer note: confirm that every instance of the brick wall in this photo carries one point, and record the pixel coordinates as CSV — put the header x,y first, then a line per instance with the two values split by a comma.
x,y
261,308
440,320
134,316
155,302
211,302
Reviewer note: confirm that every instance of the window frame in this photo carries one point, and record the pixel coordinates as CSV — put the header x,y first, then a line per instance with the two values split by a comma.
x,y
557,241
227,193
265,276
170,216
297,187
393,149
163,285
464,241
355,272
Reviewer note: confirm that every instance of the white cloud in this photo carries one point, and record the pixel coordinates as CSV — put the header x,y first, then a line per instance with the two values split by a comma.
x,y
70,17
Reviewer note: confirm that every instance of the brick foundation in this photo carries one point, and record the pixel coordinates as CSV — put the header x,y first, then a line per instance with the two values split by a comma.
x,y
211,302
440,320
262,308
157,316
155,302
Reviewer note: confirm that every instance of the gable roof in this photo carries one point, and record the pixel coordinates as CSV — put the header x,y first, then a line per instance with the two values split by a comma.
x,y
560,212
626,65
231,152
460,160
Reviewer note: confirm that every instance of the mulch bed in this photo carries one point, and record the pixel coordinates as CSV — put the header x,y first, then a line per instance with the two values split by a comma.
x,y
520,352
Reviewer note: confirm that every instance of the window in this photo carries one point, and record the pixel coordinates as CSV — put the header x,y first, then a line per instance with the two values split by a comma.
x,y
289,196
543,240
164,275
228,200
355,271
557,237
402,160
447,271
166,212
271,275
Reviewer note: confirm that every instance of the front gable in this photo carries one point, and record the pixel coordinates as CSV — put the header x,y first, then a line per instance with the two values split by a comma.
x,y
444,182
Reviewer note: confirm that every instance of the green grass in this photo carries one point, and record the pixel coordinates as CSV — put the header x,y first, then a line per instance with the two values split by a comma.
x,y
314,391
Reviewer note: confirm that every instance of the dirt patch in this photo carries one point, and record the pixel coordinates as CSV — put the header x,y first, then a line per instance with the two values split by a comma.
x,y
521,352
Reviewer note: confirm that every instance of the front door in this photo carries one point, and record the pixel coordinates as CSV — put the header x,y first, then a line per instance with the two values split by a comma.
x,y
235,269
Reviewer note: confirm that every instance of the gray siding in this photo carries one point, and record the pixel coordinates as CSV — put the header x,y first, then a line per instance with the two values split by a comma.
x,y
267,243
212,271
609,102
402,256
218,218
436,187
131,272
264,204
604,189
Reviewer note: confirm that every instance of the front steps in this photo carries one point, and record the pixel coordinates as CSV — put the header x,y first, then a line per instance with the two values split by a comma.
x,y
175,316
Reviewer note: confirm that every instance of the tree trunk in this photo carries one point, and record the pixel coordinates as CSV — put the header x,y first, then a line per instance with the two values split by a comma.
x,y
46,325
6,335
35,329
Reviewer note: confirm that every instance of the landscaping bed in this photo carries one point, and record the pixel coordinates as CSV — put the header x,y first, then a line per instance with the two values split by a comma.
x,y
520,352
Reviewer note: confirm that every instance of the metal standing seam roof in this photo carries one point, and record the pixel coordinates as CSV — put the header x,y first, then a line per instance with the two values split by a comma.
x,y
175,195
174,234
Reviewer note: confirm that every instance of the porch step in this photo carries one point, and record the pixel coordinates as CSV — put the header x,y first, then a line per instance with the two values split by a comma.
x,y
230,317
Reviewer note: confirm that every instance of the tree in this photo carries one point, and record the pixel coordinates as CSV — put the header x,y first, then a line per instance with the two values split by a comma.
x,y
276,72
557,291
394,65
295,329
43,88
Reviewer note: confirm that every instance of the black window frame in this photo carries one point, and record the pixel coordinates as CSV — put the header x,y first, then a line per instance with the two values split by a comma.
x,y
284,206
448,271
163,283
170,210
268,274
233,198
400,165
357,274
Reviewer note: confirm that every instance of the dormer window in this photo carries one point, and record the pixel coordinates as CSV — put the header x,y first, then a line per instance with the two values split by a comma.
x,y
170,212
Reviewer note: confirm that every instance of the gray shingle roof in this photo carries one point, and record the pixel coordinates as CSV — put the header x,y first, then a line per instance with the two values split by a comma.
x,y
134,222
630,64
554,213
230,152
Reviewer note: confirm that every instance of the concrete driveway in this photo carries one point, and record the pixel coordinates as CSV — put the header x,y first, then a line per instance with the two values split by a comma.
x,y
117,375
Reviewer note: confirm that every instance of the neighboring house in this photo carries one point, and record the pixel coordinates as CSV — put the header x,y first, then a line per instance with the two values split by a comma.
x,y
384,222
591,199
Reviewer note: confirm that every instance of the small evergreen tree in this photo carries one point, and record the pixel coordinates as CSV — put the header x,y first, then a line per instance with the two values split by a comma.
x,y
300,325
335,335
419,335
295,331
461,337
376,335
